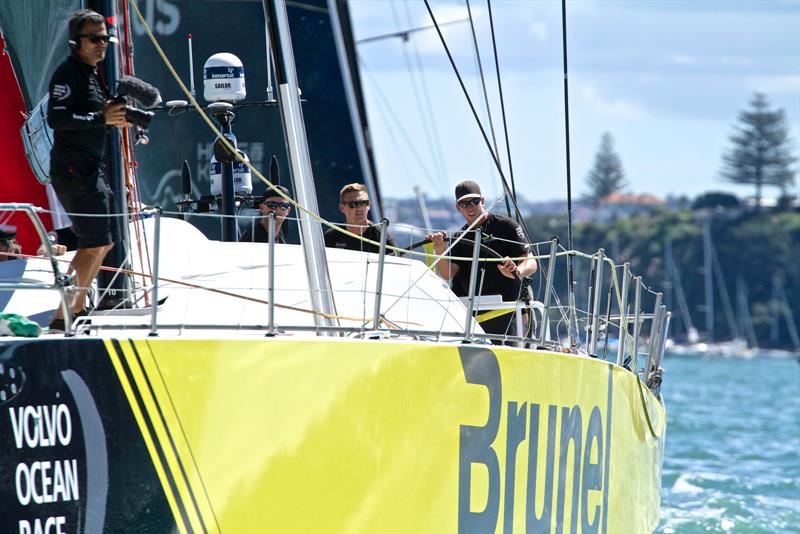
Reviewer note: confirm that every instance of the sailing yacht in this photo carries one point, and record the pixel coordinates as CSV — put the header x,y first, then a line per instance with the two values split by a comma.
x,y
260,387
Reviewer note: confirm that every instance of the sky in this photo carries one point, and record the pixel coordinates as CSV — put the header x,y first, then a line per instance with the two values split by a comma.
x,y
667,79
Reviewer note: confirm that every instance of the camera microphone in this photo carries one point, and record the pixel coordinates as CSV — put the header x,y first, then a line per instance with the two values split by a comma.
x,y
143,93
139,90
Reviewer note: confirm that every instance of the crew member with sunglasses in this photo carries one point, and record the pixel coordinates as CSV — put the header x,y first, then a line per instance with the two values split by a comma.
x,y
354,203
9,246
271,202
502,238
81,114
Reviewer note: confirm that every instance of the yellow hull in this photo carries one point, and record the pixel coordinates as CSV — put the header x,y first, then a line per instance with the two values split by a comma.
x,y
360,436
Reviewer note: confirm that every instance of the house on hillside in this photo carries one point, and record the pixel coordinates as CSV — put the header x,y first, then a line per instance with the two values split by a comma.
x,y
623,205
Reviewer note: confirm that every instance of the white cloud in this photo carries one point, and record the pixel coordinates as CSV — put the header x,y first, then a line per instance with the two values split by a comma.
x,y
456,35
711,61
735,61
538,29
612,107
683,59
774,84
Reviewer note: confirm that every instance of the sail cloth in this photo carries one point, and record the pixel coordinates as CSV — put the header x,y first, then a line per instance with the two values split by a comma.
x,y
35,32
17,182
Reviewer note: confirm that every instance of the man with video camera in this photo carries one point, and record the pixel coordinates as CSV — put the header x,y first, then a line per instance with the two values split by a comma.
x,y
81,112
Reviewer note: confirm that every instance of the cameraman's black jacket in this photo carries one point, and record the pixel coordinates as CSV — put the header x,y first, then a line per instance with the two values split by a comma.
x,y
74,111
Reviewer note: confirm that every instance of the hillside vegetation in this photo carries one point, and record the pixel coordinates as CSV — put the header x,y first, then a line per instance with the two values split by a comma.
x,y
754,247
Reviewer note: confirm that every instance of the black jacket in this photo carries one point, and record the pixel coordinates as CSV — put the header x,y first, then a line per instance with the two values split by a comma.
x,y
336,239
74,112
503,236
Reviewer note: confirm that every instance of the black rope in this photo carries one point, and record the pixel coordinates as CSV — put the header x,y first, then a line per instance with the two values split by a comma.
x,y
502,104
506,187
485,93
566,120
570,273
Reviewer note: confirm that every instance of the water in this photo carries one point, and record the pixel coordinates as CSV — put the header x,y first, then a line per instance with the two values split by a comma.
x,y
732,461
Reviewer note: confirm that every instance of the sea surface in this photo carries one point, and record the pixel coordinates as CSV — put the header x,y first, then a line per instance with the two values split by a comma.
x,y
732,459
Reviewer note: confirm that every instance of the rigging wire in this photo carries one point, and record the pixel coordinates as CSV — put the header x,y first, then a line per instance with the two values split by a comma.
x,y
425,118
502,103
573,327
428,104
388,107
405,34
506,187
483,86
125,55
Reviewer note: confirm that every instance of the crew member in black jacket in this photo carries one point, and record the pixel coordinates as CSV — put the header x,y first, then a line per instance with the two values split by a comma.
x,y
502,238
354,203
81,114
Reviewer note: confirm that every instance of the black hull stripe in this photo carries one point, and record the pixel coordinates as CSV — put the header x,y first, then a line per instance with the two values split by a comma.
x,y
169,436
186,440
151,430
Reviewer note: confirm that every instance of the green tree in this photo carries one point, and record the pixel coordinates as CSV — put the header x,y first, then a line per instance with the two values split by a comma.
x,y
606,175
760,152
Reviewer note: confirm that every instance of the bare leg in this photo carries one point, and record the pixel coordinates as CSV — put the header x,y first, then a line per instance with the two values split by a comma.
x,y
86,263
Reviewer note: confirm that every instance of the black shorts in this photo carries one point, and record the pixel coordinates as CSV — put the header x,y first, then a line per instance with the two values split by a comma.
x,y
82,189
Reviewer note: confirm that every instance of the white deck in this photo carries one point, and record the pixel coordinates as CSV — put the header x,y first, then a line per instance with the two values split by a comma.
x,y
188,258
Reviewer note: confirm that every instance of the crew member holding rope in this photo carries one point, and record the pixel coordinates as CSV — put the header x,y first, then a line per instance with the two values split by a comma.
x,y
81,113
503,238
354,203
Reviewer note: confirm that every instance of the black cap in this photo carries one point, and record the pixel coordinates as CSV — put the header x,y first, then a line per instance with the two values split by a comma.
x,y
271,193
8,232
467,189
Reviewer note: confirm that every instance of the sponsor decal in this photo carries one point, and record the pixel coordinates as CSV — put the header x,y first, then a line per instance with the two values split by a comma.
x,y
61,92
575,439
219,73
46,474
58,455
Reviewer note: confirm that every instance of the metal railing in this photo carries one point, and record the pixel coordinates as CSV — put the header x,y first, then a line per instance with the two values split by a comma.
x,y
639,334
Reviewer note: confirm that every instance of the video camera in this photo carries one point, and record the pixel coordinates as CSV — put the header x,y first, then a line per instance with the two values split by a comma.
x,y
130,87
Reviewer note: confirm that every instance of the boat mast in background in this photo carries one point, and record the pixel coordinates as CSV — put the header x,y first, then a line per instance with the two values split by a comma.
x,y
780,306
675,284
423,208
707,278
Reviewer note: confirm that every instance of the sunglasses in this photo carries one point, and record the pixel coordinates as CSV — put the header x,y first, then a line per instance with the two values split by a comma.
x,y
353,204
96,38
276,205
463,204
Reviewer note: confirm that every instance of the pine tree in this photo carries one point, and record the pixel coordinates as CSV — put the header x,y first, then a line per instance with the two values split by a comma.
x,y
760,153
606,175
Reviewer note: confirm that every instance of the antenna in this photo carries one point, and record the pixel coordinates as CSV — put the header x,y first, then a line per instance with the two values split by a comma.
x,y
268,44
186,180
191,66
